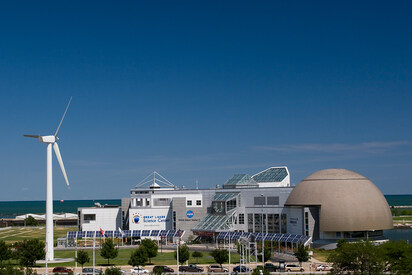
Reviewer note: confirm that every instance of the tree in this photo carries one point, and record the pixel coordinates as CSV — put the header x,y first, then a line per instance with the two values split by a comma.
x,y
82,257
138,257
151,248
197,255
113,271
361,257
30,221
108,250
9,270
29,251
258,269
5,252
302,254
398,255
267,252
184,254
220,256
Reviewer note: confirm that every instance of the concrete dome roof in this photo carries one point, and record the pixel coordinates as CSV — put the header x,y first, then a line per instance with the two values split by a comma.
x,y
348,201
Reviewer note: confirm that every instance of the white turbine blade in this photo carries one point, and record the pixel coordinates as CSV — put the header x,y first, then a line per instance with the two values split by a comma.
x,y
58,128
59,158
32,136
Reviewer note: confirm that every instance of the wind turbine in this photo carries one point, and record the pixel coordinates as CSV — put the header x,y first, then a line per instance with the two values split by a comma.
x,y
51,141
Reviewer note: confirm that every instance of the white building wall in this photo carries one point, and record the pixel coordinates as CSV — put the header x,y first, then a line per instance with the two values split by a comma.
x,y
150,219
295,220
105,218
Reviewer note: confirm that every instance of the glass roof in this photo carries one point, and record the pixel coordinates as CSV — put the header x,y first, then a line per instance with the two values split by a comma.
x,y
224,196
239,179
271,175
213,222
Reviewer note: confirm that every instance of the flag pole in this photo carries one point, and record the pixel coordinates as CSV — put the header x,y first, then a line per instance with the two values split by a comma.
x,y
94,246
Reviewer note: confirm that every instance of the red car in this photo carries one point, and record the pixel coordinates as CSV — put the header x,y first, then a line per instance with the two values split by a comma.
x,y
61,270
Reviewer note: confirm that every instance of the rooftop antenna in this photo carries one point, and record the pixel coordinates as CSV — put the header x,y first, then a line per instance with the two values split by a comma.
x,y
51,141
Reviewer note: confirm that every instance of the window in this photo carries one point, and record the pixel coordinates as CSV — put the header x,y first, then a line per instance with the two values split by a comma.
x,y
307,224
277,224
250,222
241,218
198,202
231,204
174,220
218,206
284,223
189,203
161,202
260,200
89,217
271,223
273,200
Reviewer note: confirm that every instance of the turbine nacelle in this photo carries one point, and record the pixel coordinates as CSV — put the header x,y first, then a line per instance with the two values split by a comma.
x,y
48,139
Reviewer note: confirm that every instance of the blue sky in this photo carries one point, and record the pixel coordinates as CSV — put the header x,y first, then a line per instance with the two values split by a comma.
x,y
203,90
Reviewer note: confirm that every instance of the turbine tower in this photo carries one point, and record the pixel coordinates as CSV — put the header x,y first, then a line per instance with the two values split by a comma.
x,y
51,141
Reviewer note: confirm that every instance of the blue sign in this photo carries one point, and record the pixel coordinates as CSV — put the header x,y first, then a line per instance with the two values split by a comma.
x,y
190,214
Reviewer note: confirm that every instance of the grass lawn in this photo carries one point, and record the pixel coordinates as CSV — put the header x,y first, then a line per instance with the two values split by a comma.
x,y
321,254
16,234
401,219
166,258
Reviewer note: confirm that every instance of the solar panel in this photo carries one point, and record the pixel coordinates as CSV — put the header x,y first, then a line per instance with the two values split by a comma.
x,y
296,239
98,234
237,236
259,236
291,237
81,234
171,233
179,233
163,233
117,234
90,234
136,233
154,233
222,235
127,233
284,237
269,236
278,237
246,235
108,233
145,233
71,235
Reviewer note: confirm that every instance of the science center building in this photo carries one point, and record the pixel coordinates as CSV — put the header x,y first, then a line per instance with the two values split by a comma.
x,y
324,207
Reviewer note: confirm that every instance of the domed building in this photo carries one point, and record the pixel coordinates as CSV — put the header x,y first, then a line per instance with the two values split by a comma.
x,y
339,203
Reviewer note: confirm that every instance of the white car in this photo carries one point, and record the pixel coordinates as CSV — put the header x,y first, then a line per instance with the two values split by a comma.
x,y
139,270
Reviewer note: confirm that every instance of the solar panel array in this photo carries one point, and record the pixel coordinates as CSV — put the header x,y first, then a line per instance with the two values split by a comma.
x,y
290,238
126,233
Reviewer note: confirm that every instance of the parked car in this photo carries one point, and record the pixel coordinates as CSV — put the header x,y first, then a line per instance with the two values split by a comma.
x,y
190,268
271,267
61,270
162,269
89,271
217,268
293,268
139,270
323,268
241,268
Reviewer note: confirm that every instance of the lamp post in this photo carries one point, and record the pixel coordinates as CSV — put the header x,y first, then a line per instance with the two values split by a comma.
x,y
263,241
